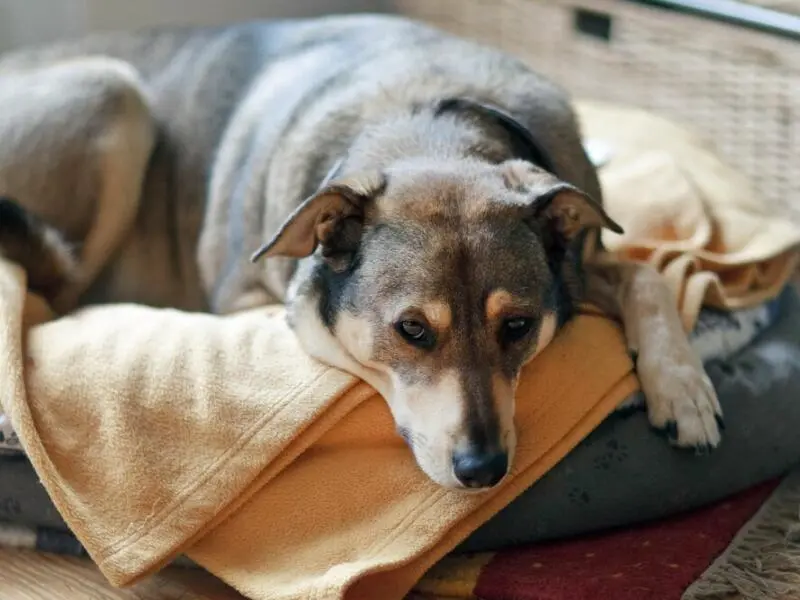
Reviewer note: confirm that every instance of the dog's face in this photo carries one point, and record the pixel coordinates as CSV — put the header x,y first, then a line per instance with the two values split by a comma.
x,y
436,283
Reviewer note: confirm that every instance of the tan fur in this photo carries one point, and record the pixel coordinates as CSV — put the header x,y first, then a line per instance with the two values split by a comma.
x,y
497,304
504,394
438,314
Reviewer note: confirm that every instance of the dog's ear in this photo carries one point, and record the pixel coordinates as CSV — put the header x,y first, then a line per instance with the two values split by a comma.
x,y
332,219
524,144
557,207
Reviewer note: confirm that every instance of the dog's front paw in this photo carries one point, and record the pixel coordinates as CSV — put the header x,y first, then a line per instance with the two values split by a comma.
x,y
681,400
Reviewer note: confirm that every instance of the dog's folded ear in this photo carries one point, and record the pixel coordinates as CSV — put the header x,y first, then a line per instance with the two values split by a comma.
x,y
332,219
556,206
524,144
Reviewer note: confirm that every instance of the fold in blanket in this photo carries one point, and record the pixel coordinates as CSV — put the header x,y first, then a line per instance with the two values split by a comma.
x,y
280,475
694,218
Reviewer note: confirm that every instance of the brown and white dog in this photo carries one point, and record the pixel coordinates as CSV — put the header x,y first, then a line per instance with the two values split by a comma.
x,y
425,203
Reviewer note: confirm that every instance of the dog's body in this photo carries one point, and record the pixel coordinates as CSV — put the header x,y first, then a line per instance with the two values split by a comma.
x,y
363,148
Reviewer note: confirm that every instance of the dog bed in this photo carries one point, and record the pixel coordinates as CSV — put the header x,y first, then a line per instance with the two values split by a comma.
x,y
622,473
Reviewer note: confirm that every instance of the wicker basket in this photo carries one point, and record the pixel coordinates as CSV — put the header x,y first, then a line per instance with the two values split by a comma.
x,y
737,86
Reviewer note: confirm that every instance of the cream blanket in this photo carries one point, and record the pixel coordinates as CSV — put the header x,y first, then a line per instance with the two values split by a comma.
x,y
686,212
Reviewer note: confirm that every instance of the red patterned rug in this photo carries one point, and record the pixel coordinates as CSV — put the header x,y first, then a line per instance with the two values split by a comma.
x,y
657,561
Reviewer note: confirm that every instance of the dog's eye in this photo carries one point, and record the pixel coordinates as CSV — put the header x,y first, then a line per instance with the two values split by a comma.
x,y
415,333
514,329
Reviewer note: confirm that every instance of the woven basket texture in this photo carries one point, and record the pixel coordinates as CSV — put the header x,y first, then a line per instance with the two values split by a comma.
x,y
786,6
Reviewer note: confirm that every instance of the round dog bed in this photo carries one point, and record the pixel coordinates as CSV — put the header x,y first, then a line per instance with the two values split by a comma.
x,y
621,474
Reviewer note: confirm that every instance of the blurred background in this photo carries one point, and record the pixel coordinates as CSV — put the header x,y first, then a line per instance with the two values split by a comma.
x,y
25,22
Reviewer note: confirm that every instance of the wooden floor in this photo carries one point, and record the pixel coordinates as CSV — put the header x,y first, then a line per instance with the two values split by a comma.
x,y
30,576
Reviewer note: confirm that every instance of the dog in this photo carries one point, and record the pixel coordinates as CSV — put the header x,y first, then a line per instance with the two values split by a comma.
x,y
422,204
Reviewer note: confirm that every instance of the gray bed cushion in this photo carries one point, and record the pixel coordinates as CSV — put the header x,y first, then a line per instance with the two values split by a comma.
x,y
623,473
23,499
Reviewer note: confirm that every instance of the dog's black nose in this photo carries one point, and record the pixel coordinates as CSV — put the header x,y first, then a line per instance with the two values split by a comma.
x,y
480,469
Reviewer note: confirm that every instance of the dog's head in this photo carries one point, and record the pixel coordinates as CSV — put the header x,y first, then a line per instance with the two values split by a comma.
x,y
436,282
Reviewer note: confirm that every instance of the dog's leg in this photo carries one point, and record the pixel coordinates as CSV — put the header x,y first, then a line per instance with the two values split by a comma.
x,y
124,149
75,140
680,398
